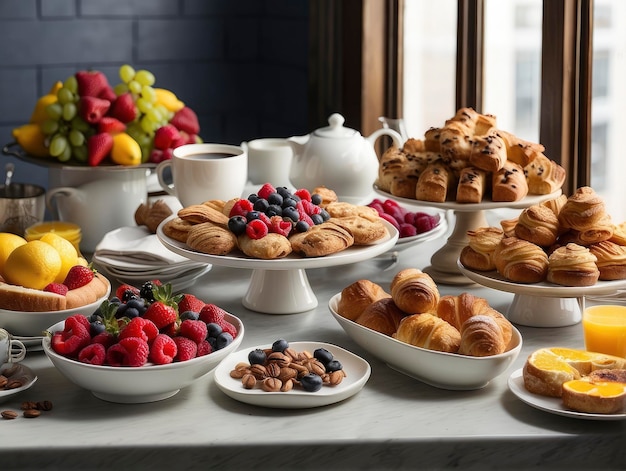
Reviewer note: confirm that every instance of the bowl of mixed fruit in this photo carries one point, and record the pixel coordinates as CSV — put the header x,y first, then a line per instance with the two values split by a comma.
x,y
142,345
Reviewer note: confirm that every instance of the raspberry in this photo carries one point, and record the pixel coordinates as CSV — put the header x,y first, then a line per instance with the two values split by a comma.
x,y
105,338
93,354
163,350
390,219
204,348
193,330
377,206
187,349
228,328
266,190
280,226
390,205
131,351
140,327
240,208
407,230
303,194
57,288
424,224
72,321
311,208
256,229
69,342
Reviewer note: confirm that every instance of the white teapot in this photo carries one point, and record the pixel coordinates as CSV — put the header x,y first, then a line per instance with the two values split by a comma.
x,y
338,158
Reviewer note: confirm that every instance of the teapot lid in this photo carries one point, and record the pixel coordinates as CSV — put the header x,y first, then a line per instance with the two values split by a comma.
x,y
336,128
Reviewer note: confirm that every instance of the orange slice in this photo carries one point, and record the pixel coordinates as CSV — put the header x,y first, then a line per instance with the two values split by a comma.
x,y
594,397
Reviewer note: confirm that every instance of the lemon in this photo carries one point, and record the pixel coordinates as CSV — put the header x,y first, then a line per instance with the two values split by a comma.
x,y
69,256
125,150
34,264
8,242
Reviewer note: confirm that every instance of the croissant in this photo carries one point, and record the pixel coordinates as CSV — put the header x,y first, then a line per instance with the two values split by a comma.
x,y
538,224
573,265
602,231
382,316
428,331
414,291
611,260
478,253
481,336
521,261
583,210
357,296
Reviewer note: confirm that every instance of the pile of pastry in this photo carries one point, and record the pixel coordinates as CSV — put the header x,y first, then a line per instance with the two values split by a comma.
x,y
567,241
415,313
205,228
468,160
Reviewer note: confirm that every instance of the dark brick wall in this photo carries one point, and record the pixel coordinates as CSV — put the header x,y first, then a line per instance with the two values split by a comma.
x,y
240,64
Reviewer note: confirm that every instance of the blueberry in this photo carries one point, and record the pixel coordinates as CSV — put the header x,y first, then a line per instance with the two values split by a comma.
x,y
274,210
131,312
223,340
325,215
283,191
96,328
323,355
290,212
316,199
252,215
189,315
137,303
261,205
115,300
289,202
311,382
275,198
213,329
280,345
302,226
213,342
257,356
333,365
317,219
96,316
237,225
121,311
253,197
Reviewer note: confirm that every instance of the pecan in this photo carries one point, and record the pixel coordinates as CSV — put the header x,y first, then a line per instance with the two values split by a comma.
x,y
273,370
336,377
8,414
301,369
14,384
248,380
303,356
315,366
291,353
287,386
271,384
280,358
28,405
238,374
259,371
287,373
3,381
44,405
31,413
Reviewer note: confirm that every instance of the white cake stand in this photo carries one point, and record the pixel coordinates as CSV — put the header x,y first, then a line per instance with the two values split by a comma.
x,y
444,268
543,304
288,273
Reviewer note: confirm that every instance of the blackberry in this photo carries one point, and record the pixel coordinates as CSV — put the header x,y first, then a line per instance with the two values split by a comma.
x,y
127,295
146,291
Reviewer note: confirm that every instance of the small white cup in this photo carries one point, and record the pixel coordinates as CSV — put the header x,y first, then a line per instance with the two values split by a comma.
x,y
269,161
11,350
203,172
100,205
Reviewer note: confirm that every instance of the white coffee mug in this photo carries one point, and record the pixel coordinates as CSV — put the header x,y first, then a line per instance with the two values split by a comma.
x,y
100,205
11,350
269,161
203,172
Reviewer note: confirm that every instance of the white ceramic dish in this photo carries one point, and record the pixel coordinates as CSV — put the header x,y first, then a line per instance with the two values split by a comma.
x,y
32,324
179,283
554,405
439,369
138,385
23,371
357,373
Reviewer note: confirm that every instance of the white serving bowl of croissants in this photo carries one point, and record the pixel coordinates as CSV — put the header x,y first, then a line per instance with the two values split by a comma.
x,y
455,342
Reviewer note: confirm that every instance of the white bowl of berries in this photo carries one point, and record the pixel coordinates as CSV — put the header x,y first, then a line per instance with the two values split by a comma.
x,y
145,358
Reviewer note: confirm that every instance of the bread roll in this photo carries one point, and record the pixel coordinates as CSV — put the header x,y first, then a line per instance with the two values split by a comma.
x,y
572,265
478,253
357,296
382,316
488,153
610,260
414,291
481,336
509,183
544,176
434,183
428,331
521,261
538,224
583,210
473,184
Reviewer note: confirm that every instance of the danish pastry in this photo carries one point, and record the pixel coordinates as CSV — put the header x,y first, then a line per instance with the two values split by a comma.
x,y
538,224
583,210
488,153
509,183
364,231
610,260
211,239
199,213
323,239
177,229
270,247
543,175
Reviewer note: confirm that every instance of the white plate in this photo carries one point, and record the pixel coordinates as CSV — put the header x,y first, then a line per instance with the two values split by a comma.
x,y
178,283
439,369
357,373
554,405
22,370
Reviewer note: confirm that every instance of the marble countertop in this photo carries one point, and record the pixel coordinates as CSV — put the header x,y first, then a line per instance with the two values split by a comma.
x,y
395,422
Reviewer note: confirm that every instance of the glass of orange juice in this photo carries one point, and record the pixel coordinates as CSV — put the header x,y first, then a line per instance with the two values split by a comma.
x,y
604,325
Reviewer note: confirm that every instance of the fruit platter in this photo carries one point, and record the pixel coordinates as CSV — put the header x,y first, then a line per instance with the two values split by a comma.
x,y
84,121
142,345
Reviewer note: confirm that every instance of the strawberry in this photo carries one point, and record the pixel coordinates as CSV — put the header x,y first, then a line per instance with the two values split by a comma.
x,y
186,120
164,310
92,109
91,83
266,190
187,349
190,303
123,291
131,351
111,125
108,94
93,354
214,314
78,276
193,330
57,288
163,350
123,108
139,327
165,136
98,148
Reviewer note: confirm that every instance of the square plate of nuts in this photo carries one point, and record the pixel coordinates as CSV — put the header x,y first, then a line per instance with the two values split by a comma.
x,y
15,378
292,375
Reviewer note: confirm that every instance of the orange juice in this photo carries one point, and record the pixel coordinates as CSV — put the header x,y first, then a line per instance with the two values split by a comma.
x,y
604,328
67,230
